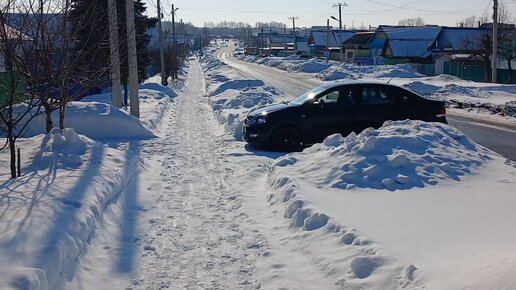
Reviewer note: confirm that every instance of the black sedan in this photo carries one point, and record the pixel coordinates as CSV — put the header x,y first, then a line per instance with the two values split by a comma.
x,y
337,107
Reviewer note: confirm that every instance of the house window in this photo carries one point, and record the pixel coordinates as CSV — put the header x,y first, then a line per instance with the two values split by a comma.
x,y
349,55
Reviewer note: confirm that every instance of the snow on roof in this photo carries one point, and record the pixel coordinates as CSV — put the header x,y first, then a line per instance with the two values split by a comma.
x,y
409,48
463,38
412,33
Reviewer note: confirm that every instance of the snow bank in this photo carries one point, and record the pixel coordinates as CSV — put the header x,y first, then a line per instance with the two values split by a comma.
x,y
500,100
56,205
95,117
50,214
96,120
399,201
334,70
399,155
232,96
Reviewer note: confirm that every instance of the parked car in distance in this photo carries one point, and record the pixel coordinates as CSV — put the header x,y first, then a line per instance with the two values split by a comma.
x,y
336,107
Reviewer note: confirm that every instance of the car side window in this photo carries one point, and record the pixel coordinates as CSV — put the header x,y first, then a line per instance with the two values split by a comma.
x,y
330,97
346,96
373,95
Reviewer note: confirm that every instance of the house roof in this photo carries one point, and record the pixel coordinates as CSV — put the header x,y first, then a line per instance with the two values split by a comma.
x,y
281,38
359,38
408,48
319,38
463,39
336,36
412,33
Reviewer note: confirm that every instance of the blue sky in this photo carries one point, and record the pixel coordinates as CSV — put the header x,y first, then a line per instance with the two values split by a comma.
x,y
315,12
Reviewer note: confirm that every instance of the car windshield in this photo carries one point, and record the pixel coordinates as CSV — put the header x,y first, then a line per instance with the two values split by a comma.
x,y
308,95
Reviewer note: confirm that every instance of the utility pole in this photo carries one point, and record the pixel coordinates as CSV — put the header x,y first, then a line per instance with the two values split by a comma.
x,y
160,43
174,26
116,94
184,38
327,40
340,5
294,32
261,39
494,66
132,58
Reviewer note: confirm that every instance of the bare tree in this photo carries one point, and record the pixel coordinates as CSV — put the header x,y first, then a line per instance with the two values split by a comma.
x,y
18,106
507,49
418,21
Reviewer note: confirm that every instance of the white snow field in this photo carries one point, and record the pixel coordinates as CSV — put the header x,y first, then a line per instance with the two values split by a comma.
x,y
494,101
411,205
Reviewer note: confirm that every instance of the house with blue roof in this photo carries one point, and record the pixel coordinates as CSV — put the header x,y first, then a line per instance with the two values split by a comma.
x,y
456,46
402,44
409,44
283,44
318,40
336,41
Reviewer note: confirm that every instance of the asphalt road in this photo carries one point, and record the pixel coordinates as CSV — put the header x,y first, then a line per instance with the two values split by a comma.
x,y
500,138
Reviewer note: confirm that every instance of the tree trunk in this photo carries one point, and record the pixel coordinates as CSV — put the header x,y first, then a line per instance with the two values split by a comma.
x,y
61,116
125,95
12,150
509,65
48,119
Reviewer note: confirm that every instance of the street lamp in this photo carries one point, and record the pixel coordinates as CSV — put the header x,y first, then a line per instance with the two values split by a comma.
x,y
335,18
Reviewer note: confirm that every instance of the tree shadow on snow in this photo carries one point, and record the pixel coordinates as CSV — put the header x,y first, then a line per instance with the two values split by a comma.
x,y
130,207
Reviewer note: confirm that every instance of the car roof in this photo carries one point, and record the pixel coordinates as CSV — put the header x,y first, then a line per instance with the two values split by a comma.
x,y
354,82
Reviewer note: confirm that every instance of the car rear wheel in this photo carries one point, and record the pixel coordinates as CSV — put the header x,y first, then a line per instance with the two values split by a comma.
x,y
286,138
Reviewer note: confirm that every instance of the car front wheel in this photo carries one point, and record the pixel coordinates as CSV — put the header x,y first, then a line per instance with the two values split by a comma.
x,y
286,138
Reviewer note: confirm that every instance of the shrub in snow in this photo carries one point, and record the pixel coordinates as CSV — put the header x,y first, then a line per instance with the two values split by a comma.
x,y
63,148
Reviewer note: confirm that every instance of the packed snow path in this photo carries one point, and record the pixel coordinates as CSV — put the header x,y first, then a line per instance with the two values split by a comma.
x,y
185,222
195,239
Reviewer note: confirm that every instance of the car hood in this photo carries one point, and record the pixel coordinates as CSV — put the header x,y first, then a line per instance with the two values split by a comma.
x,y
270,109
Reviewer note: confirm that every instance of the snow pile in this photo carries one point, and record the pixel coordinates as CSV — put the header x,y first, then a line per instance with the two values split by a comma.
x,y
352,71
95,116
499,100
232,96
62,149
334,70
56,205
99,121
399,201
399,155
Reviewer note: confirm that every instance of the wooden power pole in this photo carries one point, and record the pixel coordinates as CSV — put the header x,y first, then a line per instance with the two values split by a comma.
x,y
116,94
494,65
340,5
132,59
160,43
294,32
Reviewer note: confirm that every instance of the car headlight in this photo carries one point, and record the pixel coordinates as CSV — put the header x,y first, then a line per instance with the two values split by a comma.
x,y
257,120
